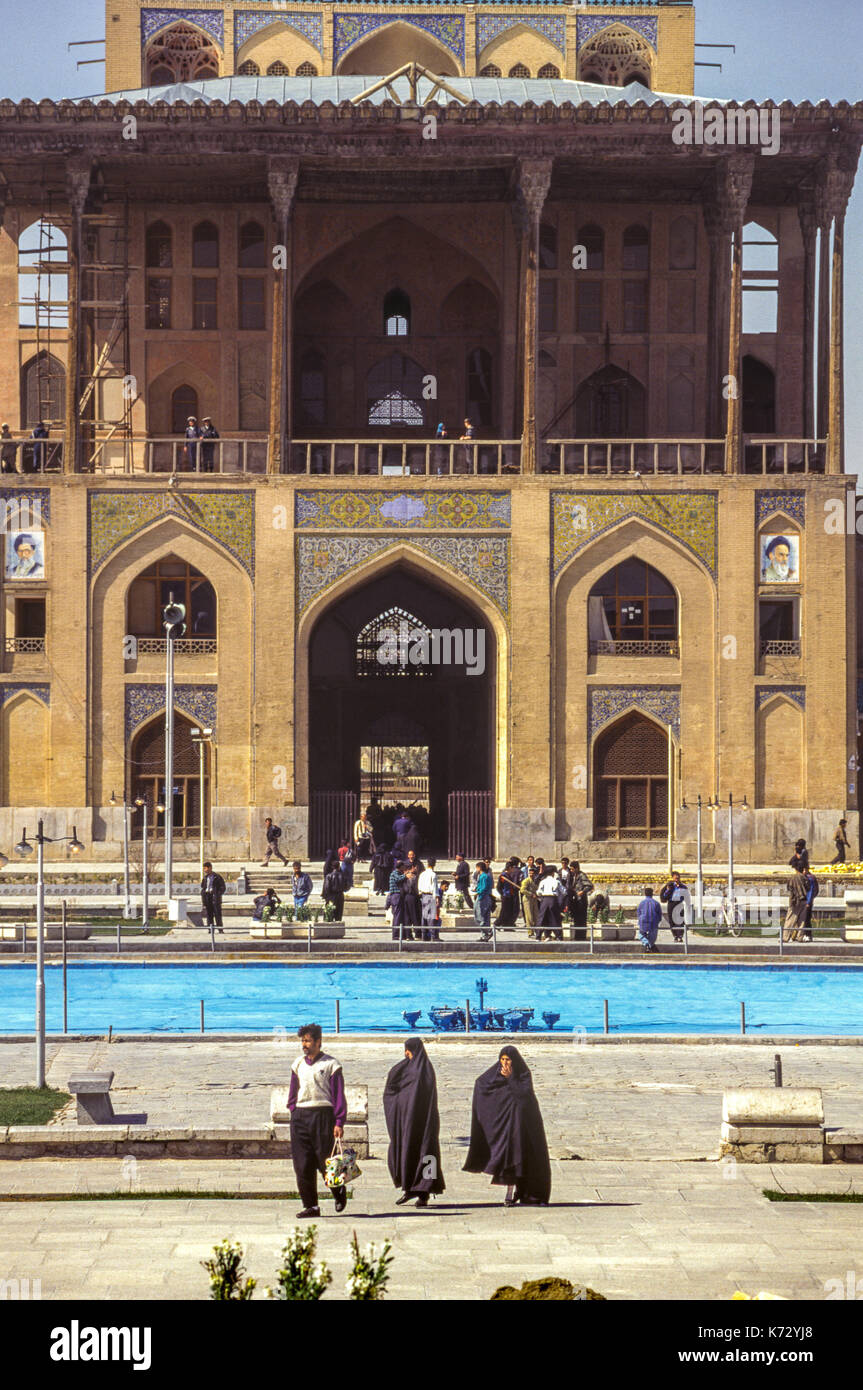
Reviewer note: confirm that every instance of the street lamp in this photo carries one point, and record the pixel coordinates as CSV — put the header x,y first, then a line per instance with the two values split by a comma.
x,y
715,805
173,621
23,849
699,881
141,803
201,737
127,907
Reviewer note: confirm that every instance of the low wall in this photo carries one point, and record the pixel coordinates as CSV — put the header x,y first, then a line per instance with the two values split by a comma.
x,y
149,1141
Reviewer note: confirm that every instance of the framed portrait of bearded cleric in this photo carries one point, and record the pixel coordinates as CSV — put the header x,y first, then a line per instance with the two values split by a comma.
x,y
25,555
780,559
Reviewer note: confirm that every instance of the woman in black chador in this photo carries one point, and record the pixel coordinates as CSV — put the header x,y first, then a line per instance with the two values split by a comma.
x,y
410,1107
507,1138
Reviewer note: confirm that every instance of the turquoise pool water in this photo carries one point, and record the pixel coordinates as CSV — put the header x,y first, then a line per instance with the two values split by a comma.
x,y
259,997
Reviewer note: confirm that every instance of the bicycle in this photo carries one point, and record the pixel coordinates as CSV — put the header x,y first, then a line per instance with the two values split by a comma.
x,y
732,919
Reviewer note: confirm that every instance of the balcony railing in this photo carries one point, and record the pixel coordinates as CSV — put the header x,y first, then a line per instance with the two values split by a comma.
x,y
21,454
183,646
773,647
400,458
635,457
784,455
24,644
629,648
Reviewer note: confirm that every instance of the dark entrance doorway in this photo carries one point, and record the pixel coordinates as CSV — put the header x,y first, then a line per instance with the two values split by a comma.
x,y
631,781
391,702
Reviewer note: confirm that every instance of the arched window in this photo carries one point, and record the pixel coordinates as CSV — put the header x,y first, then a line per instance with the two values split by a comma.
x,y
394,393
491,70
184,402
253,250
632,611
758,397
181,54
519,70
631,780
397,314
43,291
479,388
158,246
549,71
147,776
760,280
313,388
307,70
395,643
43,390
615,56
636,248
592,238
547,246
205,246
149,593
610,405
249,69
278,69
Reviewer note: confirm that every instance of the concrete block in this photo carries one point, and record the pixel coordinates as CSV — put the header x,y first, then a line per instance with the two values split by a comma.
x,y
798,1153
843,1136
772,1134
91,1083
774,1105
357,1098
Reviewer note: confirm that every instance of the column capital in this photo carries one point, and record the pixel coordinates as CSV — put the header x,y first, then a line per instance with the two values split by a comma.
x,y
79,172
533,180
808,219
733,187
282,176
835,181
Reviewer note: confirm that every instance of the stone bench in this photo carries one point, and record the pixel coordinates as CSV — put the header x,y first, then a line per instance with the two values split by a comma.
x,y
296,931
356,1126
50,933
773,1124
91,1090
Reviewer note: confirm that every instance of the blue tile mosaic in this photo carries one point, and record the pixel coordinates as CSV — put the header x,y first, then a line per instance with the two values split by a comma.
x,y
608,702
247,23
588,26
143,701
211,21
349,29
489,27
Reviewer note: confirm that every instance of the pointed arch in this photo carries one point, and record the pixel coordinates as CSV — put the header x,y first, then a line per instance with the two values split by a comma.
x,y
188,376
629,760
780,754
24,725
281,42
43,390
508,49
392,45
184,50
616,56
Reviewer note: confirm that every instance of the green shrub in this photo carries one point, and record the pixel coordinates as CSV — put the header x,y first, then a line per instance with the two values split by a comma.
x,y
300,1279
227,1273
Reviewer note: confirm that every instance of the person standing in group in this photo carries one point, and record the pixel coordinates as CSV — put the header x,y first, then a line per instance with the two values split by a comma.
x,y
413,1125
482,904
840,840
273,833
8,449
551,893
799,860
529,904
396,894
678,902
346,861
811,895
442,890
649,916
507,887
507,1136
580,887
318,1107
381,865
208,449
461,879
412,900
427,886
333,889
212,892
795,917
302,885
40,433
362,836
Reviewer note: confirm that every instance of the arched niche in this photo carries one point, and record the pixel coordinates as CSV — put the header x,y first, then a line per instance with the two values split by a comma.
x,y
630,779
24,747
390,47
278,42
779,754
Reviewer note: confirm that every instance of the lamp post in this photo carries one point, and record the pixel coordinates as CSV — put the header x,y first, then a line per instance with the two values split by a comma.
x,y
127,907
24,848
744,806
201,737
141,802
173,615
699,880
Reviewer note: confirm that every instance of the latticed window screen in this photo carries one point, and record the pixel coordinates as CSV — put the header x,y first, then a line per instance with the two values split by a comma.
x,y
393,634
307,70
631,781
519,70
490,70
249,69
549,71
278,69
148,778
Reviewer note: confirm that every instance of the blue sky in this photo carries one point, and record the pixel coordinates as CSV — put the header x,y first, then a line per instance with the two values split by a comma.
x,y
796,49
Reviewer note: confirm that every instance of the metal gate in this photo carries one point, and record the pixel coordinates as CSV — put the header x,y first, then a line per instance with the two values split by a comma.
x,y
331,820
470,824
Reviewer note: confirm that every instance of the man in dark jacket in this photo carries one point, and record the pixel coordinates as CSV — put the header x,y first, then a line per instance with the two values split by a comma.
x,y
212,890
208,451
273,833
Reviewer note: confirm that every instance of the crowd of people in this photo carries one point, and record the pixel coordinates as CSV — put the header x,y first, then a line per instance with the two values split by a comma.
x,y
507,1135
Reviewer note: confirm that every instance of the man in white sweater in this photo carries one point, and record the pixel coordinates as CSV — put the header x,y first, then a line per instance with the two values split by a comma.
x,y
318,1107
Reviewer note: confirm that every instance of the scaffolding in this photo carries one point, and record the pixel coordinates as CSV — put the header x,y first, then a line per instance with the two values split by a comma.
x,y
46,263
106,388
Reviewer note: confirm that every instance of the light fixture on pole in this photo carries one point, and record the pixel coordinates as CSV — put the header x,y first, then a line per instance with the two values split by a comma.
x,y
24,848
173,621
141,803
699,880
127,905
201,737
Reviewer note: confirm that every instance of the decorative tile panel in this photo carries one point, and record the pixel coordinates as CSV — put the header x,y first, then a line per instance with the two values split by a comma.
x,y
588,26
608,702
211,21
249,22
228,517
579,517
42,692
196,701
16,501
380,511
482,560
793,504
349,29
797,693
488,28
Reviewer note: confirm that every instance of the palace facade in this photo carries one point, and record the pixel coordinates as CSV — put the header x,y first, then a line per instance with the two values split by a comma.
x,y
333,229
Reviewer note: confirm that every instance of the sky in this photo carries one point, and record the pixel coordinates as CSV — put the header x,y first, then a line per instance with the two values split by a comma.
x,y
785,49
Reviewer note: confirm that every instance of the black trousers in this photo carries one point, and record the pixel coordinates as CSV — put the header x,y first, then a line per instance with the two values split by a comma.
x,y
311,1146
213,908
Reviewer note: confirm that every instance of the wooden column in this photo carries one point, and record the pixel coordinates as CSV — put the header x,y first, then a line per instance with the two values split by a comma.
x,y
719,241
839,181
737,179
282,178
808,229
78,171
823,219
534,178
